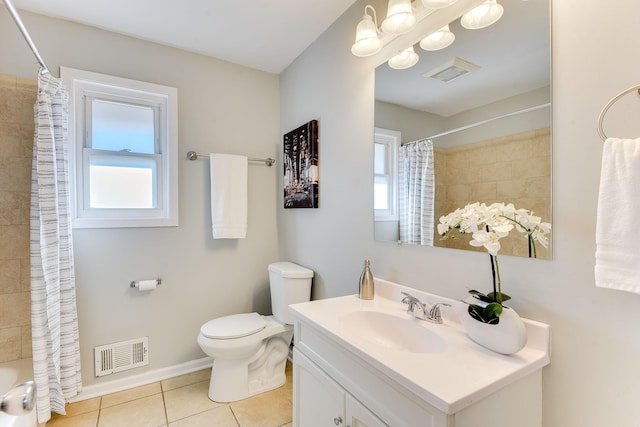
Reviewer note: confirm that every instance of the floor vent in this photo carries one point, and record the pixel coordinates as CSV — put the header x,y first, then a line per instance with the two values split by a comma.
x,y
120,356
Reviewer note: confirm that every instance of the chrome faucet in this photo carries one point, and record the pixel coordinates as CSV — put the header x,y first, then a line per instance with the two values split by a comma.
x,y
420,310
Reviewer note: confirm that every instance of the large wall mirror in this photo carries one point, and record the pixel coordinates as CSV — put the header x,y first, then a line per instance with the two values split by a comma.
x,y
489,127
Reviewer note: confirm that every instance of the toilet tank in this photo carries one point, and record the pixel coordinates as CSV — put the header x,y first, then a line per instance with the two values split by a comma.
x,y
290,284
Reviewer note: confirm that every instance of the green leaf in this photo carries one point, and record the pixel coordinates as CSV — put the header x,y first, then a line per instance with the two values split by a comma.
x,y
476,312
505,297
492,310
482,297
487,314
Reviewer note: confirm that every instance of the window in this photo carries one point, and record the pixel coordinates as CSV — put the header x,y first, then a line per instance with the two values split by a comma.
x,y
123,168
385,174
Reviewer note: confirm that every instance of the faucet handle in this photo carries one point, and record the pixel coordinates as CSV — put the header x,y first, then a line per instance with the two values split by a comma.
x,y
434,312
409,298
411,301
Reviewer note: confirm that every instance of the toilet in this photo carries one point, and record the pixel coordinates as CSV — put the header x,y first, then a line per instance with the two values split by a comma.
x,y
250,350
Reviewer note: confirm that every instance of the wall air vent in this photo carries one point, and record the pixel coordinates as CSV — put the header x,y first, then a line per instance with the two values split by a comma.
x,y
116,357
452,69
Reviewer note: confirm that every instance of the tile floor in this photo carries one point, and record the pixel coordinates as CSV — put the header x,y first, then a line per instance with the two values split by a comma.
x,y
180,402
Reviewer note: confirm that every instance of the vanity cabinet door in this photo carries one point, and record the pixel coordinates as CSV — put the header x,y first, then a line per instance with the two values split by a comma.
x,y
318,400
359,416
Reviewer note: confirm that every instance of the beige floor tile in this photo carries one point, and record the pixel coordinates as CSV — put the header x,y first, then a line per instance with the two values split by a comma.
x,y
188,379
145,412
218,417
83,407
89,419
131,394
270,409
189,400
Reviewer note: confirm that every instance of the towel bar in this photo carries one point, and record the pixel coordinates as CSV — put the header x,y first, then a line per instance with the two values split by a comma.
x,y
603,136
192,155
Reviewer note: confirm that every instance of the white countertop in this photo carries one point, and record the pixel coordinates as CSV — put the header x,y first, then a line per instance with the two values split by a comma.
x,y
450,380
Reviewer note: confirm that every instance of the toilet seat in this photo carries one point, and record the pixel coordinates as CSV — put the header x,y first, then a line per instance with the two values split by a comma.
x,y
233,326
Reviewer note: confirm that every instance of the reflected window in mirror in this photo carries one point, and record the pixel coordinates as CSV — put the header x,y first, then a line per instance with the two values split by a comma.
x,y
386,174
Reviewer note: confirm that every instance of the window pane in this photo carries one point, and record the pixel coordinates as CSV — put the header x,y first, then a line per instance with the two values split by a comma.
x,y
381,195
380,159
122,184
117,126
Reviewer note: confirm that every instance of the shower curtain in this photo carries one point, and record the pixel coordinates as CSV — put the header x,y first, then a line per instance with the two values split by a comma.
x,y
54,322
416,193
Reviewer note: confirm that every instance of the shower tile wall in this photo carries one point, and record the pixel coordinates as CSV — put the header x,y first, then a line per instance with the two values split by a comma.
x,y
512,169
17,97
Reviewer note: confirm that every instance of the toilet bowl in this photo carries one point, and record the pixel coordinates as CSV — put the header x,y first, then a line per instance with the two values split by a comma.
x,y
249,350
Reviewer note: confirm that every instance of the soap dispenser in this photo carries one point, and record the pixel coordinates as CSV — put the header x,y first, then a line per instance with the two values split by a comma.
x,y
366,282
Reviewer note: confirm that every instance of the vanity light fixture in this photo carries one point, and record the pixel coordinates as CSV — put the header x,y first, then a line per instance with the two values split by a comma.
x,y
367,41
482,16
438,40
400,17
404,59
437,4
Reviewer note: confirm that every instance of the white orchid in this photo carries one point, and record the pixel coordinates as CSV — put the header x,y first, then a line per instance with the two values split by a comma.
x,y
487,225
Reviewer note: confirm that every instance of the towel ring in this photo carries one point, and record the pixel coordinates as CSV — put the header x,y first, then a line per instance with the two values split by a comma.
x,y
603,136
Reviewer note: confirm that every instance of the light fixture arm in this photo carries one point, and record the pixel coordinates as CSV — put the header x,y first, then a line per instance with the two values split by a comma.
x,y
375,17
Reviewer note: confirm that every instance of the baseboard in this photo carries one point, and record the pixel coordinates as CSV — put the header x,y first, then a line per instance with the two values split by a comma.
x,y
108,387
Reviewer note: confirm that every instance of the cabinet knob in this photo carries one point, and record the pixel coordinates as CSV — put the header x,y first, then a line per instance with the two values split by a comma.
x,y
337,421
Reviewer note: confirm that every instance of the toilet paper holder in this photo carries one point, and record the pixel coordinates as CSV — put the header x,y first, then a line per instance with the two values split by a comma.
x,y
134,283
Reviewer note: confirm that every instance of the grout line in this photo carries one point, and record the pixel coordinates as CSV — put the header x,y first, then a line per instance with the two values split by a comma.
x,y
234,415
99,412
164,405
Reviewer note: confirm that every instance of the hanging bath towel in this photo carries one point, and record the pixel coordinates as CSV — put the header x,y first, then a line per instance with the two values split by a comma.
x,y
228,196
617,248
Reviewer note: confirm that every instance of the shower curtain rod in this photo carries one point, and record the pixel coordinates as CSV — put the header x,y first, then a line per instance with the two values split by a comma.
x,y
14,14
482,122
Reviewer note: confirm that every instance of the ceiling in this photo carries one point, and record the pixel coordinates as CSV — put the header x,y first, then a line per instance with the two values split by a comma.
x,y
262,34
268,35
513,55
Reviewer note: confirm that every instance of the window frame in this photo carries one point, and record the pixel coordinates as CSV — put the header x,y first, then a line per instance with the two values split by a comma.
x,y
84,86
391,139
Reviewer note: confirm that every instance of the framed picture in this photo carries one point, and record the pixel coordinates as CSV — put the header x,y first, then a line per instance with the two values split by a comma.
x,y
300,160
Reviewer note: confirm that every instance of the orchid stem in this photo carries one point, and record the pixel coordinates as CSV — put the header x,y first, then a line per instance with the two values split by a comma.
x,y
496,278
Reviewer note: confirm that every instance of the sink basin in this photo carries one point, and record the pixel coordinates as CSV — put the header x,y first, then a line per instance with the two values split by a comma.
x,y
387,330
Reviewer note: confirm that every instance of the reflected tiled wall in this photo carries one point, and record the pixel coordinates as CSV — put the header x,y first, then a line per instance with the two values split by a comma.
x,y
17,97
511,169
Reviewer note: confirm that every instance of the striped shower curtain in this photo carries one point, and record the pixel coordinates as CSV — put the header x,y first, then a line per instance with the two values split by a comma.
x,y
54,321
416,192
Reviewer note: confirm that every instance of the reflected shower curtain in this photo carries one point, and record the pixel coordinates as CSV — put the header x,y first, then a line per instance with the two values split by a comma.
x,y
416,192
54,321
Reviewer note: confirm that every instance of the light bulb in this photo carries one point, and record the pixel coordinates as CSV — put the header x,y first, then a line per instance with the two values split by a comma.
x,y
400,17
438,40
367,42
404,59
482,16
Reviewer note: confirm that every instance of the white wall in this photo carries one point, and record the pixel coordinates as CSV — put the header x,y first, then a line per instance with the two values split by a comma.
x,y
222,108
593,378
414,124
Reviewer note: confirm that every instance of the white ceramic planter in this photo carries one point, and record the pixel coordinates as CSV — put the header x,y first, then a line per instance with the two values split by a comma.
x,y
507,337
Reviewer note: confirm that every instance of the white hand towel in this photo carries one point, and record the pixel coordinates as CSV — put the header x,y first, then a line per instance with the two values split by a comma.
x,y
228,196
617,246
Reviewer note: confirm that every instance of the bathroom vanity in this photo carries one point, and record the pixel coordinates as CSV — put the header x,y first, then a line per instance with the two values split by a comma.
x,y
370,363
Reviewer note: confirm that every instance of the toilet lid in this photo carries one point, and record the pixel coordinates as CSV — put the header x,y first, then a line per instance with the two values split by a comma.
x,y
234,326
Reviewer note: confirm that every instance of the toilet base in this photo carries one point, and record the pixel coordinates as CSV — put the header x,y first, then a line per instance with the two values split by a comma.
x,y
238,379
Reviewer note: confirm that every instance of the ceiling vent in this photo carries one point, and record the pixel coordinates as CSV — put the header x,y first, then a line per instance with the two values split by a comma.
x,y
451,70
